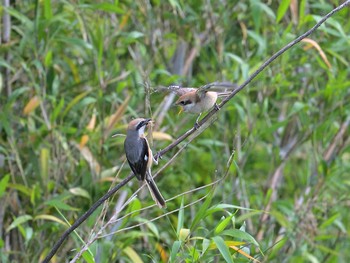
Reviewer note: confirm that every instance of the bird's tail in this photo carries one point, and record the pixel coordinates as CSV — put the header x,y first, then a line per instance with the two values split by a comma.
x,y
155,193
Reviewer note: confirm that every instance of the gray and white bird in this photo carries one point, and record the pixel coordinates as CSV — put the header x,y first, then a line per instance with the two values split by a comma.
x,y
140,157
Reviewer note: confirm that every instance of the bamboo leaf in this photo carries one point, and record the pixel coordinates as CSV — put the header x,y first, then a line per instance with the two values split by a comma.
x,y
282,9
220,244
131,253
3,184
19,221
31,105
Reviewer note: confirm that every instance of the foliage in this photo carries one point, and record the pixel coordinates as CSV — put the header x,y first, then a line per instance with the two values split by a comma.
x,y
75,72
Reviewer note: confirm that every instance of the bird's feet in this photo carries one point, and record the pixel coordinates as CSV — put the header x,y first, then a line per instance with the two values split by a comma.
x,y
196,125
157,157
216,106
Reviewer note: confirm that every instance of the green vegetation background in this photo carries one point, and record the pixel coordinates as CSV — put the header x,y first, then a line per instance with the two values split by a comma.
x,y
75,72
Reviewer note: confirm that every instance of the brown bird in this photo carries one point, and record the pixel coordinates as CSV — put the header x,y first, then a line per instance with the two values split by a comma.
x,y
199,100
140,157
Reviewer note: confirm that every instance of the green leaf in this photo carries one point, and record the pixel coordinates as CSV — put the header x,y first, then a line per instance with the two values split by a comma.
x,y
88,256
222,207
74,102
329,221
4,64
235,233
60,205
297,107
135,35
18,92
259,40
18,221
80,192
268,11
28,233
205,245
223,224
44,164
281,219
210,142
175,4
174,250
48,58
21,17
180,218
150,225
75,42
47,9
311,258
107,7
302,7
201,212
3,184
57,110
282,9
224,250
23,189
132,254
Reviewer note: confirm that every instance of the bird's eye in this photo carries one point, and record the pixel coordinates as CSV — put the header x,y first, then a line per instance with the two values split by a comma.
x,y
182,102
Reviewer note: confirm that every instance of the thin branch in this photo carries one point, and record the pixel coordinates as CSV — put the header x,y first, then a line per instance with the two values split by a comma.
x,y
337,141
191,131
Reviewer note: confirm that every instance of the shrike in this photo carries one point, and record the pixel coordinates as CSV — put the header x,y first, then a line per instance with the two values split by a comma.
x,y
140,157
199,100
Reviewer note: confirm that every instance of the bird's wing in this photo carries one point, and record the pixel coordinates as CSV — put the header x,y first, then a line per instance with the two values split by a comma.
x,y
144,159
139,165
218,87
135,169
180,90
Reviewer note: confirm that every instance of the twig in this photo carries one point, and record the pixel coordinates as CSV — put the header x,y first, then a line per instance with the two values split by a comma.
x,y
337,141
191,131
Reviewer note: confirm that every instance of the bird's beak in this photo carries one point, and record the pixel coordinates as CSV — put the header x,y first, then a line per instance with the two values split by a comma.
x,y
146,121
176,104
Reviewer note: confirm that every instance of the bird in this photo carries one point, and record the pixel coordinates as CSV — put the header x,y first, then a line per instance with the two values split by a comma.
x,y
140,157
199,100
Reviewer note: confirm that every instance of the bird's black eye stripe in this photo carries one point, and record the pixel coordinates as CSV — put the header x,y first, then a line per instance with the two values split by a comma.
x,y
142,123
185,102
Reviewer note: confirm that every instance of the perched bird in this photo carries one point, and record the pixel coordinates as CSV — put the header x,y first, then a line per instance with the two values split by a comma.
x,y
199,100
140,157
